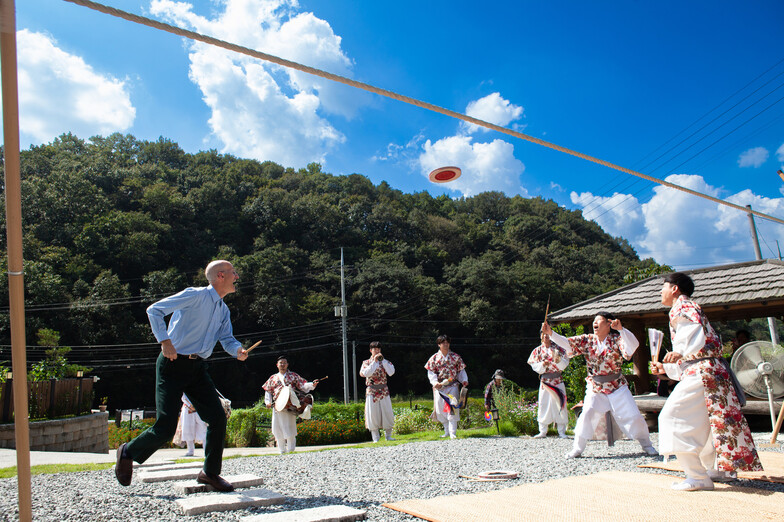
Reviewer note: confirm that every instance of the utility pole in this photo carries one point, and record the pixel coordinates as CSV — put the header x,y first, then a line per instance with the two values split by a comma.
x,y
774,337
354,356
343,314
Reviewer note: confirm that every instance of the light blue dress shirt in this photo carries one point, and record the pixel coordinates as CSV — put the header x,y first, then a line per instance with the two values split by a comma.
x,y
199,319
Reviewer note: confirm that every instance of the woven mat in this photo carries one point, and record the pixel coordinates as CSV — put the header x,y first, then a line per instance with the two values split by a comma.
x,y
772,462
610,495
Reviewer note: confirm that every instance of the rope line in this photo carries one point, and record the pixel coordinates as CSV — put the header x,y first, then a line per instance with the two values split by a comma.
x,y
192,35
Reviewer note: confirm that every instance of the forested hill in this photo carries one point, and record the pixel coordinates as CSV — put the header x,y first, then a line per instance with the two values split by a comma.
x,y
113,223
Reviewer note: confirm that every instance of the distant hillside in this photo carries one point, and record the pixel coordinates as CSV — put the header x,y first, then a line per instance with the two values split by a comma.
x,y
113,223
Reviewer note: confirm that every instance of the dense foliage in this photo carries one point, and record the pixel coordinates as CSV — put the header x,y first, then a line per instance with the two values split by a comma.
x,y
113,223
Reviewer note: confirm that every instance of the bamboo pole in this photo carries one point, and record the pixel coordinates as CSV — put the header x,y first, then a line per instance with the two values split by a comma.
x,y
13,210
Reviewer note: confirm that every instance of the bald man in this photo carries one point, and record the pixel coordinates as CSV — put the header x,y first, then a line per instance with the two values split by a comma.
x,y
199,319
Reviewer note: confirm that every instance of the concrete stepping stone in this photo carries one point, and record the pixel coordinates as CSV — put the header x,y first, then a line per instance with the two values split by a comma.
x,y
171,474
229,501
173,467
238,481
319,514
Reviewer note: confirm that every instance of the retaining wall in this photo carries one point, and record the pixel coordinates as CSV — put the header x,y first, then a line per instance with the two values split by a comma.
x,y
88,433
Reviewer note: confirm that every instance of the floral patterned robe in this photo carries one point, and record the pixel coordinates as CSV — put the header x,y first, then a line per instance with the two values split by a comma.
x,y
445,366
552,391
377,378
601,359
274,386
732,439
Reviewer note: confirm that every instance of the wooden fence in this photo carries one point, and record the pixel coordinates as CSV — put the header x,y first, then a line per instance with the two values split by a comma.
x,y
50,399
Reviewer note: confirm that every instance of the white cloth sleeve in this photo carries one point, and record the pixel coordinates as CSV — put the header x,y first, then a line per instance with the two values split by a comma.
x,y
368,370
432,377
689,339
538,367
462,376
267,398
629,344
561,341
563,363
307,387
388,367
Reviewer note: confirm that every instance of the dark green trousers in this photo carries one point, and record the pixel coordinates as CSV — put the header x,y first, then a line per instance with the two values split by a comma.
x,y
173,378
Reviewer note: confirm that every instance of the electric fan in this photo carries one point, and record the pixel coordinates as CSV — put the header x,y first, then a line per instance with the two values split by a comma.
x,y
759,367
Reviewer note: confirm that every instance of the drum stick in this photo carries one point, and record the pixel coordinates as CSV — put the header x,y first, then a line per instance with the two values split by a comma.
x,y
323,378
547,310
252,347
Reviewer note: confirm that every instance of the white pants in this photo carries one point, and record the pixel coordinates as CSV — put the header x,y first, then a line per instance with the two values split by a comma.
x,y
284,429
379,415
550,408
624,410
438,405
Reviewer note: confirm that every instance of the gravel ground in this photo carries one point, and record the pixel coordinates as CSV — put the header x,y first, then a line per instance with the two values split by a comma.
x,y
362,478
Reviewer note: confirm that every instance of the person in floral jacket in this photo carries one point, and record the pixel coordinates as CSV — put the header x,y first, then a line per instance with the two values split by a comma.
x,y
548,360
378,404
445,370
284,423
606,393
701,422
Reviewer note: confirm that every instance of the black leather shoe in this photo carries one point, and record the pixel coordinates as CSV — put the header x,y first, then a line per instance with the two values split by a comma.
x,y
124,467
215,481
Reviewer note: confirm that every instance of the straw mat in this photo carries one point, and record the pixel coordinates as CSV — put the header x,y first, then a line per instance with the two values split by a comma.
x,y
610,495
772,462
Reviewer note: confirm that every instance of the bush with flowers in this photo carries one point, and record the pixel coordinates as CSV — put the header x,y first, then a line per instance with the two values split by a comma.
x,y
409,420
317,432
515,409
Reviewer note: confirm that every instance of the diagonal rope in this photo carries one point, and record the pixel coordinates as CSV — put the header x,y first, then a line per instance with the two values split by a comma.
x,y
192,35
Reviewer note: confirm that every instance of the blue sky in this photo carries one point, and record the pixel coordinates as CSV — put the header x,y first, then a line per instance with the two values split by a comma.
x,y
687,91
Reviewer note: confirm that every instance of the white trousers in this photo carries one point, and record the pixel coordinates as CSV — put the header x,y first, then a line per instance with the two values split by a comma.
x,y
379,415
624,410
549,407
683,422
284,429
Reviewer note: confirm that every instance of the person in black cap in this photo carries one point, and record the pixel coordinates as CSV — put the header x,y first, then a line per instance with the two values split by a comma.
x,y
492,386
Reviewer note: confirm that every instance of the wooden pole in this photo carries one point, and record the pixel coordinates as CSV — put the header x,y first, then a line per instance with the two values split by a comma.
x,y
13,212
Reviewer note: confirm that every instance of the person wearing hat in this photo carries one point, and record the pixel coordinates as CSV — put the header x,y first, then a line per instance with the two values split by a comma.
x,y
199,319
445,370
495,383
284,423
549,360
606,393
378,404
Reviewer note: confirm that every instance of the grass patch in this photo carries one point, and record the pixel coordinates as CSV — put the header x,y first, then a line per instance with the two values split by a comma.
x,y
44,469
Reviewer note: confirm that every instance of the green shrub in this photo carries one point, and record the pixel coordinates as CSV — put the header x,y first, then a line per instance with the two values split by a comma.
x,y
245,427
333,410
320,432
409,421
128,431
514,409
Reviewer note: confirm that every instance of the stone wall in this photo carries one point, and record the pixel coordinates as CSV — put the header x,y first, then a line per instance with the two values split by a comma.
x,y
88,433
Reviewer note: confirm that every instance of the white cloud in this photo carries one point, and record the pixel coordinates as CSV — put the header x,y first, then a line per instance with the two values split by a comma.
x,y
59,92
780,153
493,109
753,157
485,166
686,231
261,110
618,214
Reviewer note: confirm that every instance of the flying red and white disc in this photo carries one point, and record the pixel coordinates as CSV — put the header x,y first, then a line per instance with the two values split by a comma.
x,y
445,174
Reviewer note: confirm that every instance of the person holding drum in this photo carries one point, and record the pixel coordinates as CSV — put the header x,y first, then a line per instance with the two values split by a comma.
x,y
549,360
378,404
199,319
445,370
283,391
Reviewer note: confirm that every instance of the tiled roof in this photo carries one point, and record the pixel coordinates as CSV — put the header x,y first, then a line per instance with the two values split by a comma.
x,y
753,282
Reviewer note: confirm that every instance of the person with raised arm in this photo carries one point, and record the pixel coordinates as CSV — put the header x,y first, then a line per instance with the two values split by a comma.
x,y
445,371
606,392
549,360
